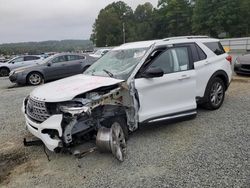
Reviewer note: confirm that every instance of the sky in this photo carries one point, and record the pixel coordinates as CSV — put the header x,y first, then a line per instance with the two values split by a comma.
x,y
40,20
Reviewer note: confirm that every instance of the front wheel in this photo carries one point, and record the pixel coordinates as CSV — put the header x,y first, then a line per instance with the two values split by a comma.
x,y
215,94
35,78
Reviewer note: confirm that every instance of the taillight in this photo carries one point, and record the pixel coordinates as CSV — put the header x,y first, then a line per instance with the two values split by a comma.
x,y
229,58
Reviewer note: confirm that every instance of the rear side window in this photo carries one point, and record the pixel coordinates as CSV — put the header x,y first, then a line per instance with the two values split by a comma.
x,y
81,57
216,47
75,57
201,54
72,57
30,58
59,59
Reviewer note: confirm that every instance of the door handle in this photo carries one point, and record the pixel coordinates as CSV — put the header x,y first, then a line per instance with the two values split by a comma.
x,y
183,77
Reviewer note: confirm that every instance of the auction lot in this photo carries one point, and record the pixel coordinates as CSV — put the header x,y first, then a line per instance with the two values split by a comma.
x,y
212,150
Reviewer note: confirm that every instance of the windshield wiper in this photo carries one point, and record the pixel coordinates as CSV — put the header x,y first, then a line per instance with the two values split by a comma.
x,y
109,73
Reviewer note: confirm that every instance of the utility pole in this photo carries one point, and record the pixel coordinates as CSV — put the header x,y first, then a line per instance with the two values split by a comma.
x,y
123,27
124,32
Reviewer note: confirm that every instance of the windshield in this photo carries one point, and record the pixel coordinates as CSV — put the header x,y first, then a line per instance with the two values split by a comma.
x,y
117,63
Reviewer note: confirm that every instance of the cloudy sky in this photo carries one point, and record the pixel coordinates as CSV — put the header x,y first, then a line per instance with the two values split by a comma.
x,y
38,20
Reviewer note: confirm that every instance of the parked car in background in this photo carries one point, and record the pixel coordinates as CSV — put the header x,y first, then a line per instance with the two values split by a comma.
x,y
19,61
54,67
242,65
99,53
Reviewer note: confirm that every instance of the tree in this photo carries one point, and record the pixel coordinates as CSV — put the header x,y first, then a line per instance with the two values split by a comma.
x,y
176,16
108,27
143,21
218,16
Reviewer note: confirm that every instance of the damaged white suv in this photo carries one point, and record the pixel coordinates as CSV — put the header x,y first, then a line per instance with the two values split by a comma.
x,y
140,82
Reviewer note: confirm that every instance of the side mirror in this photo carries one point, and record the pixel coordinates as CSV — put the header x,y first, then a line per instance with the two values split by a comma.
x,y
49,64
153,72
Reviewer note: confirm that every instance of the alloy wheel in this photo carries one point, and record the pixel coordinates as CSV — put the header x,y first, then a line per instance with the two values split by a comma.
x,y
35,79
217,94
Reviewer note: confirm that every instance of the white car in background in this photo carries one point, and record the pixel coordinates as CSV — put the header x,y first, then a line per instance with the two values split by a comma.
x,y
17,62
135,83
99,53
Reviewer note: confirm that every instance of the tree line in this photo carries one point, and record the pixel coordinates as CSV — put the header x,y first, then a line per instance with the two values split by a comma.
x,y
215,18
45,46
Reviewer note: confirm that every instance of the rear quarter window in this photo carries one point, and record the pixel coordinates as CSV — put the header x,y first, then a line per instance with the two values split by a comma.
x,y
216,47
200,52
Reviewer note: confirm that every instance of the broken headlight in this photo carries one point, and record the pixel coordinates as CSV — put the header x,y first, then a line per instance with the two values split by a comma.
x,y
73,107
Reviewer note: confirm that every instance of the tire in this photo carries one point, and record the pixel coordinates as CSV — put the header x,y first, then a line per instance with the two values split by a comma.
x,y
215,94
121,121
4,72
35,78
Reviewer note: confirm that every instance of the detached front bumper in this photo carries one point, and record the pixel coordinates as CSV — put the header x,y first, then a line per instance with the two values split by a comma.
x,y
52,123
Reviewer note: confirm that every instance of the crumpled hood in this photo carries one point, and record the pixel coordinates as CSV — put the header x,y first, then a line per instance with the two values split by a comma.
x,y
66,89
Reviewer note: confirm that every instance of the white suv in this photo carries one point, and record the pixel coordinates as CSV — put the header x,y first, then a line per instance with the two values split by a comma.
x,y
140,82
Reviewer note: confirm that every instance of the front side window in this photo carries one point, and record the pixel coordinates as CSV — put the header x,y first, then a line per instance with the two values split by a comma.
x,y
59,59
16,60
172,60
117,63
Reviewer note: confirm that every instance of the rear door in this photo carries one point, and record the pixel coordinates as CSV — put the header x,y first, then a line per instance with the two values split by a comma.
x,y
173,94
74,64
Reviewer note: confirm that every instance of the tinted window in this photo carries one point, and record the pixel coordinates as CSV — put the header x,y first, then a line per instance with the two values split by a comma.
x,y
201,54
216,47
81,57
73,57
59,59
29,58
172,60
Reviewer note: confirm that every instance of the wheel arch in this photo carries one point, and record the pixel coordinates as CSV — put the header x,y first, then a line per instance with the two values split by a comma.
x,y
222,75
35,71
4,67
218,74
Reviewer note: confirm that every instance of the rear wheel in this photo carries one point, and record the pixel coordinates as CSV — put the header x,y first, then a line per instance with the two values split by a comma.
x,y
215,94
4,72
35,78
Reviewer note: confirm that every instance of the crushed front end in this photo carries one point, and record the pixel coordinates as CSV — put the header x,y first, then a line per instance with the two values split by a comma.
x,y
61,125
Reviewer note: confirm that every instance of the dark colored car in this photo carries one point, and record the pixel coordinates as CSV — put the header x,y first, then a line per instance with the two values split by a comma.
x,y
52,68
242,65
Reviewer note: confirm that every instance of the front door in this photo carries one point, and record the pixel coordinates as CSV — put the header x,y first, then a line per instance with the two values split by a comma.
x,y
171,95
56,68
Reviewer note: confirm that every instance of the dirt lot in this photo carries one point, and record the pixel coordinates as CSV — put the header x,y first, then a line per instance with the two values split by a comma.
x,y
212,150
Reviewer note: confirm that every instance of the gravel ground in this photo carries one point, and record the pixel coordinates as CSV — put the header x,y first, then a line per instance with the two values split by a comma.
x,y
211,150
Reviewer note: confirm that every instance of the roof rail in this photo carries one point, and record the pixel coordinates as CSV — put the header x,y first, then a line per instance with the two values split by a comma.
x,y
186,37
